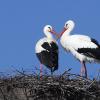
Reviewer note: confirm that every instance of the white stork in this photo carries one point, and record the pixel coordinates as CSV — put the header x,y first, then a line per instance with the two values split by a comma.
x,y
47,50
84,48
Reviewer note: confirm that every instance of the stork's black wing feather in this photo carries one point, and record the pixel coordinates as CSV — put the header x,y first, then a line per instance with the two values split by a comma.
x,y
90,52
54,46
50,47
46,46
49,57
95,42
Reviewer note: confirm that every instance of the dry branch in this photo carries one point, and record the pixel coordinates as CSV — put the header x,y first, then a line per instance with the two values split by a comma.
x,y
57,87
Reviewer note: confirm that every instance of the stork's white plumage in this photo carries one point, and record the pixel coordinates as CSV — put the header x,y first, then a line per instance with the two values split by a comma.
x,y
47,50
84,48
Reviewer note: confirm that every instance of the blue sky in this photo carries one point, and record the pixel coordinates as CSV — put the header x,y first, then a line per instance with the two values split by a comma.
x,y
21,26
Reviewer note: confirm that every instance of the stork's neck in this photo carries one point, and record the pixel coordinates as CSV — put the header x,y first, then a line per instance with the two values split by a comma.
x,y
67,32
49,35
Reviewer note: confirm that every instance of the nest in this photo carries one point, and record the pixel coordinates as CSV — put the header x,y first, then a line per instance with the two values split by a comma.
x,y
57,87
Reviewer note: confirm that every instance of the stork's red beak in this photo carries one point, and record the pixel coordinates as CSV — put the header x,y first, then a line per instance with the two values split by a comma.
x,y
64,29
53,32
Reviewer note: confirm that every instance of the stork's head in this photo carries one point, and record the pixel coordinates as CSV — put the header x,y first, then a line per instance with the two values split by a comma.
x,y
68,27
48,31
48,28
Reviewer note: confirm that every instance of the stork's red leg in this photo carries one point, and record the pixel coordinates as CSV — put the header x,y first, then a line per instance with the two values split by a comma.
x,y
83,69
40,70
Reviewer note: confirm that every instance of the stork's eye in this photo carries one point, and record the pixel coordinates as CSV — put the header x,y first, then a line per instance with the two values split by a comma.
x,y
66,25
49,27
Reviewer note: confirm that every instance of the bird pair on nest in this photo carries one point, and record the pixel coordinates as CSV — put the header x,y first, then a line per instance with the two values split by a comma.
x,y
84,48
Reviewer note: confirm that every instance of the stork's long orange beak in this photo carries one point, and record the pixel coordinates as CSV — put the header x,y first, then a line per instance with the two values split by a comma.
x,y
53,32
64,29
58,35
